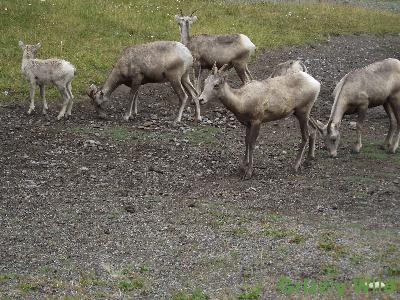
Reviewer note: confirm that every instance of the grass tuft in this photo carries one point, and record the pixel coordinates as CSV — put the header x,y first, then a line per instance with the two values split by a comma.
x,y
92,34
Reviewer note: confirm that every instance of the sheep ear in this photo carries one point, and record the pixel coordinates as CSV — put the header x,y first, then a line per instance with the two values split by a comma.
x,y
38,46
223,68
214,69
177,18
303,66
194,19
91,91
21,44
318,125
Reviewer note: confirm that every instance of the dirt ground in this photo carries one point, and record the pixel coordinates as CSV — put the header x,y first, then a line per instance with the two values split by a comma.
x,y
145,209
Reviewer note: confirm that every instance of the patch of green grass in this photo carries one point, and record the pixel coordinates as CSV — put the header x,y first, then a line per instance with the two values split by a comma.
x,y
274,231
251,293
27,287
7,277
92,34
371,150
356,259
297,239
327,242
202,135
330,270
195,295
90,279
128,285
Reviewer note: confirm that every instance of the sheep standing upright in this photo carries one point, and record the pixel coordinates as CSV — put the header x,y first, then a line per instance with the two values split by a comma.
x,y
41,72
232,49
263,101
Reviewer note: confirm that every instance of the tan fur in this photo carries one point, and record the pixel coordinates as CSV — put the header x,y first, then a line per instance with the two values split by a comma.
x,y
288,67
42,72
233,50
156,62
263,101
374,85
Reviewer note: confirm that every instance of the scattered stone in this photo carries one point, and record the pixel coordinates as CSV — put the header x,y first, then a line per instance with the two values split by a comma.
x,y
353,125
130,209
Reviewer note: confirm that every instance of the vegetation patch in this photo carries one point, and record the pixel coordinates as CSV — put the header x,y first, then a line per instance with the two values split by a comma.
x,y
195,295
91,35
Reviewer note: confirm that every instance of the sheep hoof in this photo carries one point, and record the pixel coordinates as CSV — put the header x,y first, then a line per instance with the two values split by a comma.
x,y
384,147
31,110
59,117
248,174
198,120
126,118
356,149
392,150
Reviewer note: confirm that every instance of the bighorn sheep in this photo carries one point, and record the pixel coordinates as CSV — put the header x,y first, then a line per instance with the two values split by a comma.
x,y
155,62
263,101
374,85
288,67
44,72
233,50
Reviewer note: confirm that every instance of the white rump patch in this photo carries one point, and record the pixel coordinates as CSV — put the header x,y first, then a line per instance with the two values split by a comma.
x,y
247,43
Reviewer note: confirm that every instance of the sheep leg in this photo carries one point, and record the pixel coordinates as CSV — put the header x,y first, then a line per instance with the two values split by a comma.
x,y
32,96
133,95
395,104
193,94
362,112
252,139
311,142
245,162
65,95
71,98
43,96
241,71
392,124
249,74
179,90
303,122
197,77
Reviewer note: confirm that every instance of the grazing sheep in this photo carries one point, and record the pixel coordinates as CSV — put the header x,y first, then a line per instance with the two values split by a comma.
x,y
263,101
155,62
41,72
374,85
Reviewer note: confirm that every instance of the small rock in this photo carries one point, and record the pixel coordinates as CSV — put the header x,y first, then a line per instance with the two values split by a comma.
x,y
84,169
353,125
130,209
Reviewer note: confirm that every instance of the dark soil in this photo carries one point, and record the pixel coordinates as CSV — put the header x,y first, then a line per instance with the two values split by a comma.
x,y
151,210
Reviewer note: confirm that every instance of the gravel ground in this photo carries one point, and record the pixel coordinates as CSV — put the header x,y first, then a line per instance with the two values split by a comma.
x,y
150,210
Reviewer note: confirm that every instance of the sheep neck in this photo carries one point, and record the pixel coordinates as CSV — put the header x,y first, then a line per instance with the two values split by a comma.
x,y
229,98
112,82
185,34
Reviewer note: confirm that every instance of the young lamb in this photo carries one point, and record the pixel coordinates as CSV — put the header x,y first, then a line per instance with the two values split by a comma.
x,y
43,72
156,62
263,101
288,67
374,85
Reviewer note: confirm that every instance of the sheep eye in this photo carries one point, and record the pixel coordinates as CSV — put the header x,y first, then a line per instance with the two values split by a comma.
x,y
216,86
